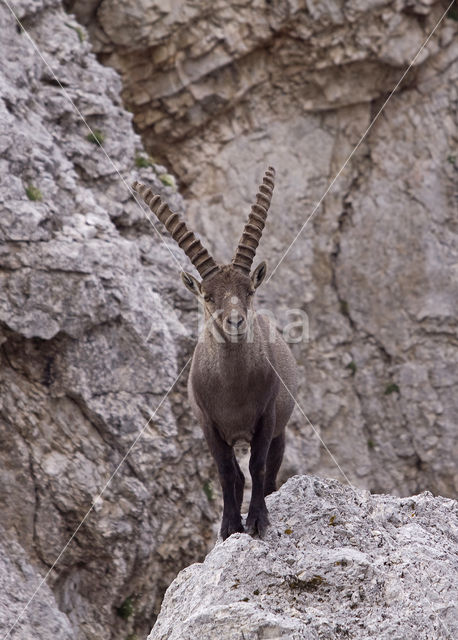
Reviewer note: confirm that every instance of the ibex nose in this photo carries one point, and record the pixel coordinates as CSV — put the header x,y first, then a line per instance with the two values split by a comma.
x,y
235,321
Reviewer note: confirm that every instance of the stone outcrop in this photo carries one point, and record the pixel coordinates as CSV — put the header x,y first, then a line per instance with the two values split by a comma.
x,y
220,90
91,340
336,562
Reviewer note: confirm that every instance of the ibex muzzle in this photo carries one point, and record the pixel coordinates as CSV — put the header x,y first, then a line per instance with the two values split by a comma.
x,y
234,386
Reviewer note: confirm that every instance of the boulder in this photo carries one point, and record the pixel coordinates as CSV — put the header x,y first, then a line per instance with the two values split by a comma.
x,y
336,562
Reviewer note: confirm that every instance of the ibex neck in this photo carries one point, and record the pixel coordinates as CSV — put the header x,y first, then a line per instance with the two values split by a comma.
x,y
233,362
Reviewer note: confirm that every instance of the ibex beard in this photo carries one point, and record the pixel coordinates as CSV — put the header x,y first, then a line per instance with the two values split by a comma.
x,y
241,381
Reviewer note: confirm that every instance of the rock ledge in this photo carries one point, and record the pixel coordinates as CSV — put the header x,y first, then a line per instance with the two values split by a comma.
x,y
337,562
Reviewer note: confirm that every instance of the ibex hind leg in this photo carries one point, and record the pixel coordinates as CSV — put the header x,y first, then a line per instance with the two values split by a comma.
x,y
274,460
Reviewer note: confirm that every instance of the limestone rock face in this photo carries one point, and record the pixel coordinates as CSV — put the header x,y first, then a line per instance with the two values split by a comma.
x,y
336,562
223,89
18,581
90,344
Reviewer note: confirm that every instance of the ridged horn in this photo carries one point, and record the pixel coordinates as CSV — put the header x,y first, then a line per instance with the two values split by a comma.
x,y
252,232
179,231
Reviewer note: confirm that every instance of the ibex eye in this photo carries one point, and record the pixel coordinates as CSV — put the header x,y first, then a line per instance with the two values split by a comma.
x,y
209,299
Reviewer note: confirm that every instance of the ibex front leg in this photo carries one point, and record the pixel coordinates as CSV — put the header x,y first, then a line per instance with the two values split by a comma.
x,y
223,455
258,520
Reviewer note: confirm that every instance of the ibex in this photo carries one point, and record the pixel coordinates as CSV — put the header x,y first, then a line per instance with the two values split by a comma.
x,y
234,388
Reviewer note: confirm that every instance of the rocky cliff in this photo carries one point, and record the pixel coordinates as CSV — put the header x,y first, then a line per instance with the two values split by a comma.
x,y
91,340
336,562
220,90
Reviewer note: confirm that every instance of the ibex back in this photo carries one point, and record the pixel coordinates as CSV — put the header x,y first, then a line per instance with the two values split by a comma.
x,y
242,372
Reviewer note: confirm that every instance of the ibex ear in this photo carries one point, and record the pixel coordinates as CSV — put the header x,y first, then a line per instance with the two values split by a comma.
x,y
191,283
259,274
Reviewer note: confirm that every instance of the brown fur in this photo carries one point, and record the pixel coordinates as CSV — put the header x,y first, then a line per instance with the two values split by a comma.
x,y
236,394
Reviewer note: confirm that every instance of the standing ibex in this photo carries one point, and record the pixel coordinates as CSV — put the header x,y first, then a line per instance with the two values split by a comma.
x,y
233,386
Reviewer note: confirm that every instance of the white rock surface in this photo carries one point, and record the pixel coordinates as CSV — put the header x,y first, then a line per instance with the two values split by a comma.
x,y
337,562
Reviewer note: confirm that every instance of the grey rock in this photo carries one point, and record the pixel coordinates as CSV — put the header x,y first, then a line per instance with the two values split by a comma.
x,y
43,620
336,562
90,344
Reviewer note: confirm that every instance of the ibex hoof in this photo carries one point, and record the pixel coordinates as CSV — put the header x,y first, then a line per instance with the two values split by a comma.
x,y
228,528
257,524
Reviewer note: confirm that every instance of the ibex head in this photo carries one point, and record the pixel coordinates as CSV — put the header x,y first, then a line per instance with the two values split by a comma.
x,y
226,291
